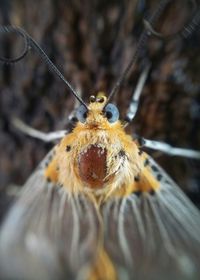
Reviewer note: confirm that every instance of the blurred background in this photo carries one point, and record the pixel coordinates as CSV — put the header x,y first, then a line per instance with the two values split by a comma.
x,y
91,42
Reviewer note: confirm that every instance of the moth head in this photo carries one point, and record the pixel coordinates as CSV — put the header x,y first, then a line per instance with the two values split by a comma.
x,y
99,112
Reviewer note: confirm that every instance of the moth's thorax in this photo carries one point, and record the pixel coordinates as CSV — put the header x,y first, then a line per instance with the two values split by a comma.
x,y
97,159
92,165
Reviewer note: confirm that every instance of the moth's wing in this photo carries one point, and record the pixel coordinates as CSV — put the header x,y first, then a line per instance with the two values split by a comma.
x,y
48,234
154,236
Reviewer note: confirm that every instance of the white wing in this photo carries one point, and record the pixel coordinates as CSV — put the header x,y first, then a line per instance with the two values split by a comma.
x,y
47,234
154,236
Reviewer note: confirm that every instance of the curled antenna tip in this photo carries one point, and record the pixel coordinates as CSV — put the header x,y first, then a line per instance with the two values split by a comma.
x,y
141,44
30,43
8,29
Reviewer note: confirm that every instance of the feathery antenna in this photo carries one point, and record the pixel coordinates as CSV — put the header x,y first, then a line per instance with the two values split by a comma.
x,y
142,40
149,29
31,43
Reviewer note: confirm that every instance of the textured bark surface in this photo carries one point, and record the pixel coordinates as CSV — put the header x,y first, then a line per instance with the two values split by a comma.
x,y
91,44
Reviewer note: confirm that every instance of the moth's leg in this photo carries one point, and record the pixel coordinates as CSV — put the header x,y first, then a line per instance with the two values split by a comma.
x,y
46,137
168,149
132,110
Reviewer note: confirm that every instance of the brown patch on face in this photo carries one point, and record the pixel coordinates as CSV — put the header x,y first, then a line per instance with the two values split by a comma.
x,y
92,166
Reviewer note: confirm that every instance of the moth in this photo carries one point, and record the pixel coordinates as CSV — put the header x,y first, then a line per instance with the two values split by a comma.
x,y
98,207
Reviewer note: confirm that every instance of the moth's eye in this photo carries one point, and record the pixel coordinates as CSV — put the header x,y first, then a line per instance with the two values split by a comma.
x,y
81,113
111,112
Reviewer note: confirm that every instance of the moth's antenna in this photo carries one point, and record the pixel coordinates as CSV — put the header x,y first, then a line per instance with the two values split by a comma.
x,y
192,26
184,33
4,29
139,48
31,43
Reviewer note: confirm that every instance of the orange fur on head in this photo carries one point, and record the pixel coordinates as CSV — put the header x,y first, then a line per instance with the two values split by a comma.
x,y
99,157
